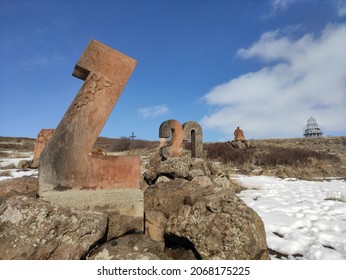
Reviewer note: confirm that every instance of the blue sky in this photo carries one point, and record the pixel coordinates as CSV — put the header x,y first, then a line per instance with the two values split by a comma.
x,y
266,66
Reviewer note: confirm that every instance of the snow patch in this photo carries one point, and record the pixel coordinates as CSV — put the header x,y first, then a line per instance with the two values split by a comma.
x,y
302,219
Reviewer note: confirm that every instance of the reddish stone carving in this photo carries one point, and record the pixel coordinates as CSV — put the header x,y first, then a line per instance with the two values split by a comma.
x,y
66,163
41,141
239,134
173,149
193,132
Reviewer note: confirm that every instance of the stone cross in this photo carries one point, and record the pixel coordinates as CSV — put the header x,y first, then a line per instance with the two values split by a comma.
x,y
68,174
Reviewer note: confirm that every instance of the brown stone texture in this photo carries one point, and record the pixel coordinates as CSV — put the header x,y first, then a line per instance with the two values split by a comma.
x,y
24,185
41,142
32,229
66,163
167,129
155,224
193,133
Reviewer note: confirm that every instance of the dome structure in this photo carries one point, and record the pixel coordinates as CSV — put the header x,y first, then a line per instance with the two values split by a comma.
x,y
312,129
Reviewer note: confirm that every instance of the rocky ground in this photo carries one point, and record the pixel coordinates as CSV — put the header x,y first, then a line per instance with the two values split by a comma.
x,y
183,198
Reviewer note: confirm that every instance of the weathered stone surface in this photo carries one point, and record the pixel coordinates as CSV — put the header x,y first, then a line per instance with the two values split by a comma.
x,y
163,179
67,163
193,133
23,185
40,144
238,145
129,247
119,225
24,164
106,72
216,168
173,149
174,167
155,224
222,182
234,232
204,213
124,201
34,229
202,181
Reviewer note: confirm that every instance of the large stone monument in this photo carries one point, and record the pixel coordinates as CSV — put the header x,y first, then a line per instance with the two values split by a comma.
x,y
69,175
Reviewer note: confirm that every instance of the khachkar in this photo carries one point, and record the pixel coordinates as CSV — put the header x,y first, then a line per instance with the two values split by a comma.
x,y
69,175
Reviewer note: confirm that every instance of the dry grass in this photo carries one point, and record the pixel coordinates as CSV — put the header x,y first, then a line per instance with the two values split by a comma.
x,y
225,153
301,163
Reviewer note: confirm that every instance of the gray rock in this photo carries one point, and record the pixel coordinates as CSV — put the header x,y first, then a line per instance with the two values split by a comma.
x,y
129,247
155,224
24,164
163,179
220,227
31,229
119,225
174,167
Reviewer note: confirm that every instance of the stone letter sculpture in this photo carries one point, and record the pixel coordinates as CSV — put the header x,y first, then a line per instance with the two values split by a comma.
x,y
68,175
193,132
41,142
173,149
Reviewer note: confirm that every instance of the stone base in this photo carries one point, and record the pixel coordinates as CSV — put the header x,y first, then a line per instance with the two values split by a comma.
x,y
128,202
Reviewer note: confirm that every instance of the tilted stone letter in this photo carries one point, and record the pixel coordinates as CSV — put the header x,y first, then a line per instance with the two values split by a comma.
x,y
193,132
68,173
173,149
41,142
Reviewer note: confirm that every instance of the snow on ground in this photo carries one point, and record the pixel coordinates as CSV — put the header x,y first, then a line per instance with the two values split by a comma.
x,y
302,219
13,171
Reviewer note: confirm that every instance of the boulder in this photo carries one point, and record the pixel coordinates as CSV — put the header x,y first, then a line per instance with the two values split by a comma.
x,y
155,224
166,197
220,226
129,247
216,168
24,164
206,216
163,179
32,229
174,168
119,225
22,185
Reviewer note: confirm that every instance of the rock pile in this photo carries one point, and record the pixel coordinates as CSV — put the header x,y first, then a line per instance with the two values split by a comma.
x,y
191,212
194,205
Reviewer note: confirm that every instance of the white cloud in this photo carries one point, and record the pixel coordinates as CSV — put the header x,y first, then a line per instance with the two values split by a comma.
x,y
341,7
304,77
153,112
281,4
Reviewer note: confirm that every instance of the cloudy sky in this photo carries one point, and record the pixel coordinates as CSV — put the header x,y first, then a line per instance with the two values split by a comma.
x,y
266,66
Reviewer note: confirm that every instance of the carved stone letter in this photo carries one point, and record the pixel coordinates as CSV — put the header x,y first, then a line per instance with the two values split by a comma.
x,y
41,142
68,174
193,133
173,149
